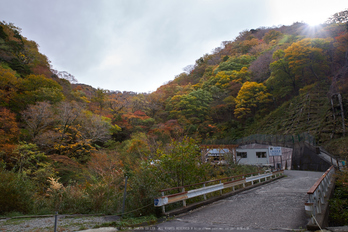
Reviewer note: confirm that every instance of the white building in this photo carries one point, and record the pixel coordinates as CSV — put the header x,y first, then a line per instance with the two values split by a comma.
x,y
258,154
252,154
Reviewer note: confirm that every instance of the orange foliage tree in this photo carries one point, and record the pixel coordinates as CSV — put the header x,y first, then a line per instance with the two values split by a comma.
x,y
9,133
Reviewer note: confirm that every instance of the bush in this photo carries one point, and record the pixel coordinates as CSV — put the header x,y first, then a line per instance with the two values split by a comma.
x,y
339,202
16,193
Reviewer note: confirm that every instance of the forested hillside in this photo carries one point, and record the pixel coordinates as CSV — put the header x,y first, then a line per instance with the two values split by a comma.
x,y
61,141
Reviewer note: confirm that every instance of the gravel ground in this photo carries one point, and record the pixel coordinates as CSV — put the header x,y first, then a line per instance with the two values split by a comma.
x,y
65,224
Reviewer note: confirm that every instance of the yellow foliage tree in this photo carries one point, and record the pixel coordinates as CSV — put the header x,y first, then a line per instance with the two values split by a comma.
x,y
250,98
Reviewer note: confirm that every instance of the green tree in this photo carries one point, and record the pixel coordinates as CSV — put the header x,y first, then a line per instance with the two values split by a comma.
x,y
192,107
29,161
37,88
100,98
235,63
282,81
180,164
16,193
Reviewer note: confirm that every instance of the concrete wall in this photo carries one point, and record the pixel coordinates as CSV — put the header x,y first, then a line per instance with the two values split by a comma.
x,y
305,157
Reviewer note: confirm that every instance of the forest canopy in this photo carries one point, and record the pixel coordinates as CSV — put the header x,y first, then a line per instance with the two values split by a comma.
x,y
59,137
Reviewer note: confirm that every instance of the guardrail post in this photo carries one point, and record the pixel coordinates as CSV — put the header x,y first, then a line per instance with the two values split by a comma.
x,y
221,189
318,201
233,185
243,183
163,207
55,222
205,196
252,182
183,201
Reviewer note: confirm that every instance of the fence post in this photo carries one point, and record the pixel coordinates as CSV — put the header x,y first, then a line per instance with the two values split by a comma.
x,y
221,189
183,201
55,222
163,207
260,178
124,195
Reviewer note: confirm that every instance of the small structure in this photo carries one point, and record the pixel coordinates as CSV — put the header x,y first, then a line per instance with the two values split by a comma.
x,y
252,154
265,155
218,154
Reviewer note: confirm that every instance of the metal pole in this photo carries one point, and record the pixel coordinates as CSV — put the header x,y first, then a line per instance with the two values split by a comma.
x,y
183,201
221,189
55,222
124,195
163,207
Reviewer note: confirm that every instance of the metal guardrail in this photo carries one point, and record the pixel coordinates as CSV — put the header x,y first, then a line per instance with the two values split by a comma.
x,y
317,195
334,160
235,181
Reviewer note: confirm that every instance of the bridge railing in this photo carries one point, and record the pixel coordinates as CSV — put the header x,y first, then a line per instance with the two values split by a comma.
x,y
317,195
229,182
334,160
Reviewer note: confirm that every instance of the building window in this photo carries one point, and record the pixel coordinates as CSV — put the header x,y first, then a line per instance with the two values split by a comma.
x,y
242,154
261,154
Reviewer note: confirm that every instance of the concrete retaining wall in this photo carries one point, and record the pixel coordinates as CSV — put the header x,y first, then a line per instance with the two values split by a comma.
x,y
305,157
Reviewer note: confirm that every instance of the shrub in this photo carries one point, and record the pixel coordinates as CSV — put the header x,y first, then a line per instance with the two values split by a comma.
x,y
339,203
16,193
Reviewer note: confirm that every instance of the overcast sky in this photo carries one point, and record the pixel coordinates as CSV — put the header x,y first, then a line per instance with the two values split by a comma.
x,y
137,45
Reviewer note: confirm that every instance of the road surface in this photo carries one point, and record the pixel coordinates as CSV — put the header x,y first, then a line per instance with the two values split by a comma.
x,y
276,206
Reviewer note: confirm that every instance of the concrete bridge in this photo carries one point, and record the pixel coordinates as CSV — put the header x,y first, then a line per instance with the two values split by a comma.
x,y
276,206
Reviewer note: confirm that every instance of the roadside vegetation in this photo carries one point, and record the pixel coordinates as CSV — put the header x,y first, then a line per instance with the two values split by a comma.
x,y
339,202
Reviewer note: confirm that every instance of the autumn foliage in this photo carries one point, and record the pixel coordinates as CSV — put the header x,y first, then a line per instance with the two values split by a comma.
x,y
73,145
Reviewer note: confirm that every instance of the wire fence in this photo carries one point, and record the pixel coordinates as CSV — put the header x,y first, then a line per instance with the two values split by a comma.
x,y
284,140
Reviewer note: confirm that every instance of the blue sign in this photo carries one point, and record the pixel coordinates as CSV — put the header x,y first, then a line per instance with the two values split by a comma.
x,y
156,202
275,151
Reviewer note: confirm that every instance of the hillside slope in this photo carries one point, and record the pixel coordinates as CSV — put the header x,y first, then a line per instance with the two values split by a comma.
x,y
310,112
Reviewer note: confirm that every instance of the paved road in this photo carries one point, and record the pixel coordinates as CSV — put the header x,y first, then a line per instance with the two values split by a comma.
x,y
277,206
